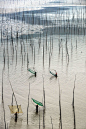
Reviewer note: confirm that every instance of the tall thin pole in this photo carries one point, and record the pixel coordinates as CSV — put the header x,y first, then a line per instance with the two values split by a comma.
x,y
2,86
73,104
51,122
13,93
27,115
44,99
34,55
43,93
39,117
28,103
12,99
44,105
43,54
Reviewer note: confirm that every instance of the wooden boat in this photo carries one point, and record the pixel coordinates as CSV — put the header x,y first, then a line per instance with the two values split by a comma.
x,y
54,74
37,102
32,71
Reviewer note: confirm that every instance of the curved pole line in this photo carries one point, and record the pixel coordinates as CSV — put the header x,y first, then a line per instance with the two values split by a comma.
x,y
13,93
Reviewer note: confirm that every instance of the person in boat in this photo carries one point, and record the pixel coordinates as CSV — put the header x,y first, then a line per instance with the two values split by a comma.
x,y
37,108
56,74
35,74
15,117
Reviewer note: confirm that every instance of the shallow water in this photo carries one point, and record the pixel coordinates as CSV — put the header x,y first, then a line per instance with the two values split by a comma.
x,y
20,79
45,52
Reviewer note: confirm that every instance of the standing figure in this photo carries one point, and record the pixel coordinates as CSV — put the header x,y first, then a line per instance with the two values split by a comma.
x,y
56,74
35,74
16,117
37,108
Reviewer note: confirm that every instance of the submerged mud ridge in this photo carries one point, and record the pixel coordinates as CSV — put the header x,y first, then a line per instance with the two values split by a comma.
x,y
68,20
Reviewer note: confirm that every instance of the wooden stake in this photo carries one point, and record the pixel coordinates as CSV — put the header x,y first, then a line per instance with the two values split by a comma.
x,y
2,86
27,115
39,117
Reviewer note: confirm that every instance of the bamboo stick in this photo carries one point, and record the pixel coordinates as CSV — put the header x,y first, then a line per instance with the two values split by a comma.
x,y
39,117
28,103
2,87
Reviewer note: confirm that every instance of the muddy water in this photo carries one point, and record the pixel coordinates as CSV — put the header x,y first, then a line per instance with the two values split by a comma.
x,y
21,79
62,50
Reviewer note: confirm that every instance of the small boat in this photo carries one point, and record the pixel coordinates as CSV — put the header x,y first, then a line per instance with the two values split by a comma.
x,y
37,102
32,71
54,74
15,108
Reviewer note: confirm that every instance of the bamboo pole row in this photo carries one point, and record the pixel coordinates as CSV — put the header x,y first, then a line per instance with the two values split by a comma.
x,y
67,25
33,50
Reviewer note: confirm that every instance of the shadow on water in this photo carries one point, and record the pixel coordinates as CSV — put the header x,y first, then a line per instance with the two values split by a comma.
x,y
15,125
32,76
52,77
35,115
